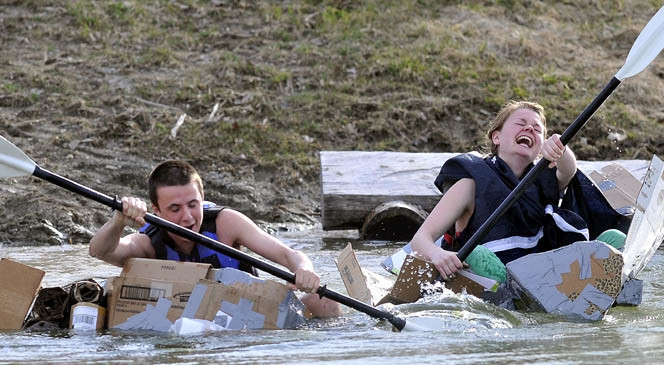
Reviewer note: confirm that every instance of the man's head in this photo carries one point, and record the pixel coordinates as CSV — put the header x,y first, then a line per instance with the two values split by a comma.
x,y
172,173
176,192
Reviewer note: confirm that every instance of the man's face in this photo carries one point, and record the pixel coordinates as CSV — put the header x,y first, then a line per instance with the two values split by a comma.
x,y
182,205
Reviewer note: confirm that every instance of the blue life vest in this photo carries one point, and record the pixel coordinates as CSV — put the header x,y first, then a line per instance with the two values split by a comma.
x,y
536,222
165,247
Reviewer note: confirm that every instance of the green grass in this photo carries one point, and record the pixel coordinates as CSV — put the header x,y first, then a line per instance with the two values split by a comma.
x,y
367,74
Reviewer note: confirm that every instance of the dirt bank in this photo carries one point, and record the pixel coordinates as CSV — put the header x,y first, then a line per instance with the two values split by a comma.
x,y
93,90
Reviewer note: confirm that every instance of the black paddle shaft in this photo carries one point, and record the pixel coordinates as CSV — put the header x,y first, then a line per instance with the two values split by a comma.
x,y
75,187
569,133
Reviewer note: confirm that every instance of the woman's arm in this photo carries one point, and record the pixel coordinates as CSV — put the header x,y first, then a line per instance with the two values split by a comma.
x,y
458,202
562,157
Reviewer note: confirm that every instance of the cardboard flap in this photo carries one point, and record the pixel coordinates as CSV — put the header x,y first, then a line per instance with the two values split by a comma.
x,y
617,185
352,276
165,270
647,228
413,274
416,272
19,285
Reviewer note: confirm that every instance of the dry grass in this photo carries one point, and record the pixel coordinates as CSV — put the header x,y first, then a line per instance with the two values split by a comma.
x,y
291,78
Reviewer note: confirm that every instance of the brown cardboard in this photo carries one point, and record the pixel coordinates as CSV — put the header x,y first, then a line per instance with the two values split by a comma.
x,y
165,270
19,285
266,296
141,299
352,276
87,316
132,295
143,282
415,273
617,184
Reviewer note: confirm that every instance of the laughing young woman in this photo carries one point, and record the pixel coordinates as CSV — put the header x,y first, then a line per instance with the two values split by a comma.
x,y
474,186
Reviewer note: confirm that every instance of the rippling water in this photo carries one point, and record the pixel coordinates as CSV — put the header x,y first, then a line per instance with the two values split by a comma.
x,y
471,330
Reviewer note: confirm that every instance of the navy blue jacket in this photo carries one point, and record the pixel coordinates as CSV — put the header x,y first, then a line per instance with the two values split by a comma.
x,y
537,222
165,248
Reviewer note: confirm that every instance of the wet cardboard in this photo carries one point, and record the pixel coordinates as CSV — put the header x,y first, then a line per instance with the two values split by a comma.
x,y
254,303
416,273
579,281
150,304
87,316
19,285
140,298
413,274
352,275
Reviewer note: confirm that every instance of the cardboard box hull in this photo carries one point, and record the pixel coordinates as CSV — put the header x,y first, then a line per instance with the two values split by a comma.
x,y
139,299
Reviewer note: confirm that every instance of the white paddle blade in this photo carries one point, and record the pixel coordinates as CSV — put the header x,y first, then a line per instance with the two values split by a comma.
x,y
425,324
646,47
13,162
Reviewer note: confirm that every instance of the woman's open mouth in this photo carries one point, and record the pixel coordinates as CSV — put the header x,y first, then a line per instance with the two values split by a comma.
x,y
524,141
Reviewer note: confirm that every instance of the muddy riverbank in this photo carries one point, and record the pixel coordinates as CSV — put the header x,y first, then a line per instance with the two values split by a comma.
x,y
94,90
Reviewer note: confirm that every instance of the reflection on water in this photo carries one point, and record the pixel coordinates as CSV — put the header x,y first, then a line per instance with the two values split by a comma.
x,y
471,331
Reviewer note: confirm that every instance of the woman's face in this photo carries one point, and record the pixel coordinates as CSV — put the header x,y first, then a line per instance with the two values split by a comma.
x,y
522,135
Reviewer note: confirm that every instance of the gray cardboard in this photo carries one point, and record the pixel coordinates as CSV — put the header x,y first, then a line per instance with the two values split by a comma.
x,y
242,316
230,276
194,301
153,318
562,281
289,312
631,293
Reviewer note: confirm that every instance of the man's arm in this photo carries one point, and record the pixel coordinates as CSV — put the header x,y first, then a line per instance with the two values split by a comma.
x,y
109,245
234,228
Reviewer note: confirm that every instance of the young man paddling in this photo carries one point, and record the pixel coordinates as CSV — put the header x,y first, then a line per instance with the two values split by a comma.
x,y
176,193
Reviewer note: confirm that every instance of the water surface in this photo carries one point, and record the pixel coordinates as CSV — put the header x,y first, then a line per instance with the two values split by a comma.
x,y
474,332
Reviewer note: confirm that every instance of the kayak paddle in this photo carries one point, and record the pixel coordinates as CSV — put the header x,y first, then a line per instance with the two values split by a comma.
x,y
15,163
647,46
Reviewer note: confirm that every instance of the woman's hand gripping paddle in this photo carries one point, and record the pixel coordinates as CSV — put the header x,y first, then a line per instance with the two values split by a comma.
x,y
647,46
15,163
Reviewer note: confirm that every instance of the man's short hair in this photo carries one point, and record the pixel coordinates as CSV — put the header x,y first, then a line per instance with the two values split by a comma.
x,y
172,173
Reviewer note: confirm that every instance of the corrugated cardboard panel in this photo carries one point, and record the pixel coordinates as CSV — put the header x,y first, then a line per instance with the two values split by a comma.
x,y
581,280
352,276
416,272
165,270
153,303
132,295
19,285
647,228
617,184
